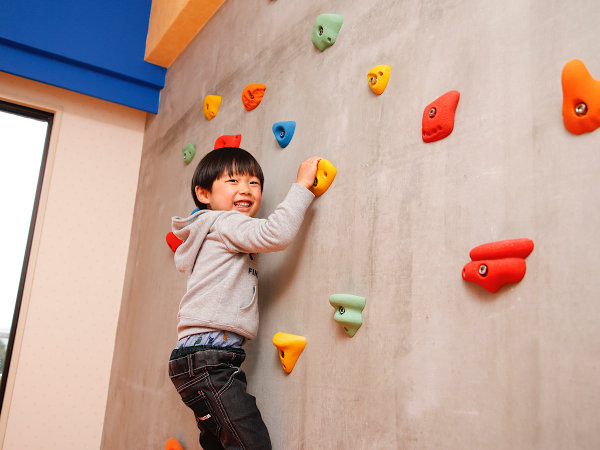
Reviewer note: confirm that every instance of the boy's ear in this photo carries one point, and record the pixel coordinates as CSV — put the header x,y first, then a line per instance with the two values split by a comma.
x,y
202,195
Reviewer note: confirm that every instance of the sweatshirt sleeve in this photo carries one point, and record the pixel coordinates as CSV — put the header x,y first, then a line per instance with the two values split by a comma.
x,y
241,233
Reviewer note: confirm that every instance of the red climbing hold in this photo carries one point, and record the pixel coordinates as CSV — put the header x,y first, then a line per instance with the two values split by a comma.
x,y
228,141
515,248
492,274
497,263
173,241
438,117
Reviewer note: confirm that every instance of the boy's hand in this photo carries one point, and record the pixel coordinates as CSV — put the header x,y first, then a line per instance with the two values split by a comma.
x,y
307,172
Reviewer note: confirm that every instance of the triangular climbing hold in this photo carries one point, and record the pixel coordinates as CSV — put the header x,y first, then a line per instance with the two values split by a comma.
x,y
438,117
252,95
290,346
284,131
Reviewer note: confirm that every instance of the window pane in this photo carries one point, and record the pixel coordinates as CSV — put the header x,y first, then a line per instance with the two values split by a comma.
x,y
22,145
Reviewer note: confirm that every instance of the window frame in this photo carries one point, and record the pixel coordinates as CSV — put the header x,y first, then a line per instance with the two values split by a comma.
x,y
48,117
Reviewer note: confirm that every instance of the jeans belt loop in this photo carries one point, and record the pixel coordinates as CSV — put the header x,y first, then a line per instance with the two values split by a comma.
x,y
190,365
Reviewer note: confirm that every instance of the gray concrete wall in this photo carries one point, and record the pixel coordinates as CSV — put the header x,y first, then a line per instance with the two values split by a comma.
x,y
439,362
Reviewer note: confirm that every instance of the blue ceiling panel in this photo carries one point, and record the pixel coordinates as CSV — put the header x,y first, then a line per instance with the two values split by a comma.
x,y
95,48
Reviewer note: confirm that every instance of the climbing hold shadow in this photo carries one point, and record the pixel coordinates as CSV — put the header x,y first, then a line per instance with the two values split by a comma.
x,y
326,29
228,141
211,106
289,347
325,175
378,78
173,444
284,131
189,151
438,117
348,311
252,95
581,98
173,241
497,263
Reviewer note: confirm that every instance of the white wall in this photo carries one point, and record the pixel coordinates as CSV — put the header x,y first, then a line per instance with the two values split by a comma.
x,y
59,375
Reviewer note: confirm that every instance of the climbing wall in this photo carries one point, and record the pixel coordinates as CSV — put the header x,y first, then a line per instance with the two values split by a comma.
x,y
439,362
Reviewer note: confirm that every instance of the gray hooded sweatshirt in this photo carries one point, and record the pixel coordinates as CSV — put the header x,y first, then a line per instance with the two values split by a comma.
x,y
218,256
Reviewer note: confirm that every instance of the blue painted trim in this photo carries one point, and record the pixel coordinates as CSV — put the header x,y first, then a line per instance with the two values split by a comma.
x,y
84,78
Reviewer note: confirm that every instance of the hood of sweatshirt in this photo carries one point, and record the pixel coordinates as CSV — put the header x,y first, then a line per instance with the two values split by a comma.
x,y
200,223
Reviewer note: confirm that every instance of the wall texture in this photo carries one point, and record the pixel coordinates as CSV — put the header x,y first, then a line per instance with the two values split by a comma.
x,y
61,365
438,363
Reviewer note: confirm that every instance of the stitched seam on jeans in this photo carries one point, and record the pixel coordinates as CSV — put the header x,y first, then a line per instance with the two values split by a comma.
x,y
230,381
191,382
227,420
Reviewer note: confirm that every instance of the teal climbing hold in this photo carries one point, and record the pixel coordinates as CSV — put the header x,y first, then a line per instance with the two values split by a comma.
x,y
326,29
348,311
188,151
284,131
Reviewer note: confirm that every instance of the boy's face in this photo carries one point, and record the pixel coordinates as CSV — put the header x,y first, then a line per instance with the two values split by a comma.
x,y
233,193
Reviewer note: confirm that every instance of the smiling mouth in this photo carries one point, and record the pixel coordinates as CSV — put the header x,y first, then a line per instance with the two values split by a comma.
x,y
242,204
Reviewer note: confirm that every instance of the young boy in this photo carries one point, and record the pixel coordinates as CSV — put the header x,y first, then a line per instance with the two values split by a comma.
x,y
219,311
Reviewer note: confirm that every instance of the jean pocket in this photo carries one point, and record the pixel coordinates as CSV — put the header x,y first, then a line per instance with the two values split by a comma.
x,y
205,417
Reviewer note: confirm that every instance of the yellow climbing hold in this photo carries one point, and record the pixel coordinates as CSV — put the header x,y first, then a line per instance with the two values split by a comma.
x,y
325,174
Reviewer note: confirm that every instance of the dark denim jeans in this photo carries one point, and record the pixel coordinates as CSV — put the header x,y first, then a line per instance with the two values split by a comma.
x,y
212,385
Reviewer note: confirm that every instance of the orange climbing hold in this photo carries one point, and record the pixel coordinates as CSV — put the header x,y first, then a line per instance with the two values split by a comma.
x,y
173,444
228,141
438,117
497,263
290,346
253,95
581,98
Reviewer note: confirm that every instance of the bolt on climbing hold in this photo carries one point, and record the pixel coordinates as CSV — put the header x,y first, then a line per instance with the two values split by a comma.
x,y
326,29
348,311
581,109
497,263
228,141
378,78
189,151
483,270
284,131
289,348
252,95
438,117
581,98
325,175
211,106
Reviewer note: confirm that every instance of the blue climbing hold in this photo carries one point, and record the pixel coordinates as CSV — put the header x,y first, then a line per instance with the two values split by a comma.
x,y
284,131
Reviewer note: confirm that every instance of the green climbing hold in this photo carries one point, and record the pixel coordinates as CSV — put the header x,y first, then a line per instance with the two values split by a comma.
x,y
348,311
189,151
326,29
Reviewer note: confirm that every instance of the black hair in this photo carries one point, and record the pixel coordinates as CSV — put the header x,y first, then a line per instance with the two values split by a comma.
x,y
230,160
